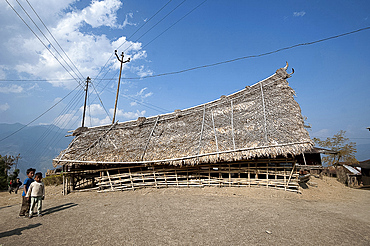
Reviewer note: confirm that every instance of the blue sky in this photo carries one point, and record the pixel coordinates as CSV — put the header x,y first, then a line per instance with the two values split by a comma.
x,y
331,78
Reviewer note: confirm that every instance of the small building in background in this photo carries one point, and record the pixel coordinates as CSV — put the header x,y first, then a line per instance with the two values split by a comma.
x,y
365,172
349,174
311,160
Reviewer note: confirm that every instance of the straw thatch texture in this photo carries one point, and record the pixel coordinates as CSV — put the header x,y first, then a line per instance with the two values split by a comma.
x,y
262,120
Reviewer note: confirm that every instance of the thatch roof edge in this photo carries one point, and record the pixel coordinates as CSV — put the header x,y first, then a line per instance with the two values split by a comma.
x,y
306,146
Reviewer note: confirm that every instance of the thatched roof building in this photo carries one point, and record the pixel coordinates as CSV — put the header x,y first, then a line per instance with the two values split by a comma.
x,y
262,120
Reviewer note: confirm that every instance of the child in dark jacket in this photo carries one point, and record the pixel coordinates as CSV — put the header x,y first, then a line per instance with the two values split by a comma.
x,y
25,208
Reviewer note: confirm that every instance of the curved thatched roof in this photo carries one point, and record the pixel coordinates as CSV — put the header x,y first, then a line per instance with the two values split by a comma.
x,y
260,120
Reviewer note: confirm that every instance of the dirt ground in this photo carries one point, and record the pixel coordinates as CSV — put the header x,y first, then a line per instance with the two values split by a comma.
x,y
329,214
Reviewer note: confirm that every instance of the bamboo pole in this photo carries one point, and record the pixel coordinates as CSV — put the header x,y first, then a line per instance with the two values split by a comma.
x,y
132,183
264,112
110,181
291,173
214,131
232,123
64,177
150,135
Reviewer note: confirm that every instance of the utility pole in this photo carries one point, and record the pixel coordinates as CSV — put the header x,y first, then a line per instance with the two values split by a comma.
x,y
119,81
83,116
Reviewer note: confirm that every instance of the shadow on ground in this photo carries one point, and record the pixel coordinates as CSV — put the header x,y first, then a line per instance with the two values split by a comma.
x,y
18,231
8,206
59,208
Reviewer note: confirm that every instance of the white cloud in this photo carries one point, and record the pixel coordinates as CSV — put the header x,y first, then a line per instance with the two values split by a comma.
x,y
133,103
2,72
94,121
128,115
57,100
11,89
94,110
127,22
97,14
144,95
88,51
4,107
66,121
299,14
141,71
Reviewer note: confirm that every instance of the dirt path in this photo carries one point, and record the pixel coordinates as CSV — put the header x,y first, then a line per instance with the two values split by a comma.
x,y
329,214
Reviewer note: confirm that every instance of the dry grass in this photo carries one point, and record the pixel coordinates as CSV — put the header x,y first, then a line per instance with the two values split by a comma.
x,y
329,214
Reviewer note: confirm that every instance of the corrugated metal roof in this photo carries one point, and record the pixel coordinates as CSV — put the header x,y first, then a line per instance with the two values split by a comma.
x,y
353,170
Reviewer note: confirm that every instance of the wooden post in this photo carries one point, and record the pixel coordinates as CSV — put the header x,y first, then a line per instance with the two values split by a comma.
x,y
83,116
177,181
249,175
187,176
229,176
110,181
119,81
132,182
209,175
119,178
165,179
267,174
64,180
155,180
290,176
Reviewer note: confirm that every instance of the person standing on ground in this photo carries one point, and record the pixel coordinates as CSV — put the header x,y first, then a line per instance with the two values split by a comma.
x,y
10,186
36,194
26,203
17,184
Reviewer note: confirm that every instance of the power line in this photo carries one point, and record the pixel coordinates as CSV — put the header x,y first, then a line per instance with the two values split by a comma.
x,y
175,23
38,117
41,41
152,41
158,22
54,38
251,56
38,80
60,121
150,30
97,94
45,35
129,38
148,105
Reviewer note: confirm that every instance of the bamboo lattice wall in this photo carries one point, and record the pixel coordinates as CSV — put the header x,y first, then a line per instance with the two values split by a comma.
x,y
276,173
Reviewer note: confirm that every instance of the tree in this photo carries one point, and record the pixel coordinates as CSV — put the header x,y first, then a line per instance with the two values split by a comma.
x,y
6,163
338,143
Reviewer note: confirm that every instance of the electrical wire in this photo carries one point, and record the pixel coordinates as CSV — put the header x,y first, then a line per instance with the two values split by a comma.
x,y
60,121
42,41
175,23
131,37
251,56
149,30
38,117
54,39
47,38
97,94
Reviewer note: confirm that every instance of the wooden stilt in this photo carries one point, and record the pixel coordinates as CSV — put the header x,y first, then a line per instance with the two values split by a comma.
x,y
132,182
155,180
110,181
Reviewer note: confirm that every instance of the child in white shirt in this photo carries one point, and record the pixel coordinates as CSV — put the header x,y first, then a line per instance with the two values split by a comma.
x,y
36,192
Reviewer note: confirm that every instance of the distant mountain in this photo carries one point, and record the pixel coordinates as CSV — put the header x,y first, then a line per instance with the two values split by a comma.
x,y
37,145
